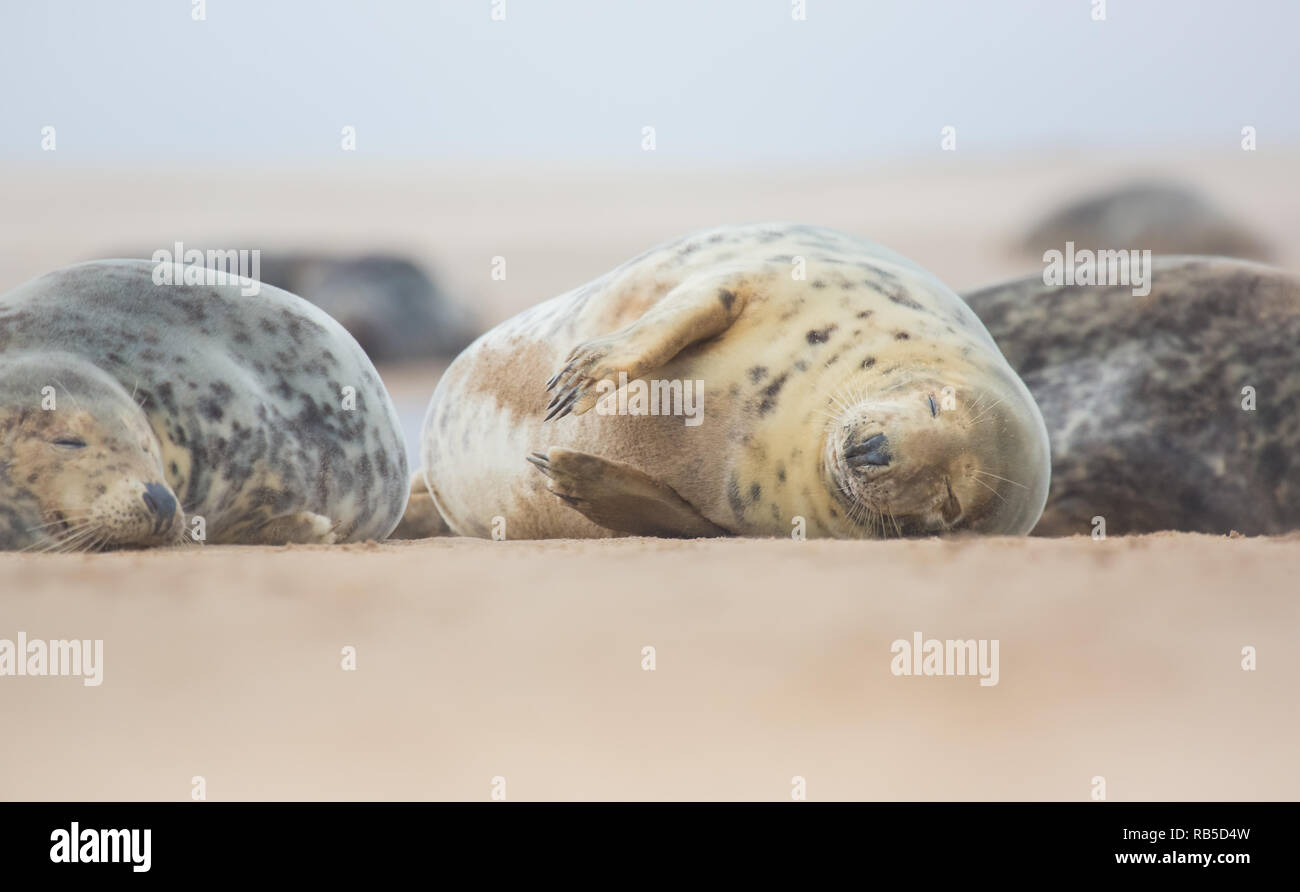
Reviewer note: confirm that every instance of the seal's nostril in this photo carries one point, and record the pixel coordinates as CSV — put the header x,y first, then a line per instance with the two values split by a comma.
x,y
160,501
871,451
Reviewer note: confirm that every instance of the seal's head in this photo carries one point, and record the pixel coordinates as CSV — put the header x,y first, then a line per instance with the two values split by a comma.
x,y
923,456
80,467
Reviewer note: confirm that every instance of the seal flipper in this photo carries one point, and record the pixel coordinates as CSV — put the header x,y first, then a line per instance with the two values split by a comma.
x,y
619,497
683,317
422,519
301,528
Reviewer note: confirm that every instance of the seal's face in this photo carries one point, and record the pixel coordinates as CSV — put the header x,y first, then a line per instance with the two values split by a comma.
x,y
91,469
919,459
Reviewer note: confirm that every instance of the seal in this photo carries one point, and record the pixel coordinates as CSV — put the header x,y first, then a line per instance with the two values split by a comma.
x,y
1178,411
835,388
138,414
394,308
1164,218
389,304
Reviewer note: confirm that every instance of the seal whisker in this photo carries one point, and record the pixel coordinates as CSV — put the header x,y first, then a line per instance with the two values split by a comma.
x,y
82,532
60,542
991,407
989,488
996,477
894,520
73,545
91,543
68,521
39,547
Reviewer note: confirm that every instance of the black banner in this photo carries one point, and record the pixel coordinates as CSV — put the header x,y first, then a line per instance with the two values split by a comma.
x,y
336,840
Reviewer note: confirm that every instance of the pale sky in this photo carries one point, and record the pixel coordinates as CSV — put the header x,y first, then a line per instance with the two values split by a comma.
x,y
575,80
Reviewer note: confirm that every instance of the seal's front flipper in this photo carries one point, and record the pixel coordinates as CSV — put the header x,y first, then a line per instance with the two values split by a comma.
x,y
300,528
422,520
621,498
685,315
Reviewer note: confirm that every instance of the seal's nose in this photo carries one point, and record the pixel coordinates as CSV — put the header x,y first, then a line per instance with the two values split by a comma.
x,y
871,451
160,501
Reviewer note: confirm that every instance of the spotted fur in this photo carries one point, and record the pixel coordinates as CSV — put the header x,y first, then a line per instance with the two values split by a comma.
x,y
1143,396
235,402
779,356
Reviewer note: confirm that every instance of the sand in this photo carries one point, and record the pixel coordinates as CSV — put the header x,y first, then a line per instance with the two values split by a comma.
x,y
1119,659
523,660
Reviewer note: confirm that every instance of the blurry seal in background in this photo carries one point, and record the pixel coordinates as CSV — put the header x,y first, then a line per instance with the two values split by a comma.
x,y
127,406
391,306
1163,218
1177,411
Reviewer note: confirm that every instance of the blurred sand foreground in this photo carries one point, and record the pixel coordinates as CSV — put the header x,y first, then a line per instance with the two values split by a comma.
x,y
523,660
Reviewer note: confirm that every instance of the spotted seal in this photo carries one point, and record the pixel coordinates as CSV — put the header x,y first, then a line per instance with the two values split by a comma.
x,y
1177,411
126,405
846,392
394,308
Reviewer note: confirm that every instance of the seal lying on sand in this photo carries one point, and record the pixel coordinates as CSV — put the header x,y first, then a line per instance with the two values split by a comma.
x,y
781,377
125,405
393,308
1159,217
1178,411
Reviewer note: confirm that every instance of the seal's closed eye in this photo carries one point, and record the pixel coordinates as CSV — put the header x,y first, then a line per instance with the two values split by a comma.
x,y
70,442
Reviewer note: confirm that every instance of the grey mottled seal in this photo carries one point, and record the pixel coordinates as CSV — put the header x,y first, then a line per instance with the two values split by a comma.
x,y
126,405
1163,218
391,306
1178,411
841,389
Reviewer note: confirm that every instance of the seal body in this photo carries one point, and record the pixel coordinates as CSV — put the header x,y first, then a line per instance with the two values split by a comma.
x,y
392,307
130,409
1178,411
1163,218
838,390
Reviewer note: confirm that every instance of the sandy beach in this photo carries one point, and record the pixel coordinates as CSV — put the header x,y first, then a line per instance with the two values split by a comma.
x,y
523,660
1120,659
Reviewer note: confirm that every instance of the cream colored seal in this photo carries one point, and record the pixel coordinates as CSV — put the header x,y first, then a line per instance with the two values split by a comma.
x,y
137,413
749,380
